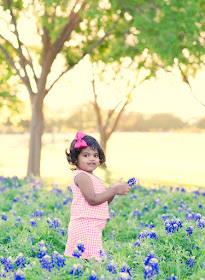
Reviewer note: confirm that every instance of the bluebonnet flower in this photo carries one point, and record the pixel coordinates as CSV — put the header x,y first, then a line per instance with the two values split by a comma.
x,y
67,200
56,223
137,213
19,275
20,261
7,263
200,206
137,243
33,223
190,262
173,225
136,253
93,276
132,182
112,213
124,276
112,234
62,231
175,201
81,246
18,220
112,267
16,199
172,277
35,213
4,217
146,208
47,263
42,252
144,234
189,231
151,266
165,207
2,273
58,259
156,201
76,269
76,253
125,268
134,196
151,225
42,213
201,223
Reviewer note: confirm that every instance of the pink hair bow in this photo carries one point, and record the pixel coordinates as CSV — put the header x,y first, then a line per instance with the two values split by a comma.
x,y
80,143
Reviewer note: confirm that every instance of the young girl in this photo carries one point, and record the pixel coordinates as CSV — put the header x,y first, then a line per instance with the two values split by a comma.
x,y
89,209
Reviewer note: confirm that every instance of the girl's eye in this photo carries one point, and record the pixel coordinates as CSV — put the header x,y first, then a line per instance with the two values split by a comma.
x,y
85,155
96,156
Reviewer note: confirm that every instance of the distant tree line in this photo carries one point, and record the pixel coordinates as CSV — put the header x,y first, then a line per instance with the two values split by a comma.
x,y
84,118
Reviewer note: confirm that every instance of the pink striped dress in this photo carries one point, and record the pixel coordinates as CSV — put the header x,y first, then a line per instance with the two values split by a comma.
x,y
86,222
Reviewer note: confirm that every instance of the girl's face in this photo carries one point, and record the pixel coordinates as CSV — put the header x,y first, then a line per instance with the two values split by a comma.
x,y
88,159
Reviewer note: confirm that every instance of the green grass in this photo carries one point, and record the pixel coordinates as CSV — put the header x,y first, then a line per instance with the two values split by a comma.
x,y
172,250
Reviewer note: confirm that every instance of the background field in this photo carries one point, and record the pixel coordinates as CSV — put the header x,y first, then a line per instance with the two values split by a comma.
x,y
170,158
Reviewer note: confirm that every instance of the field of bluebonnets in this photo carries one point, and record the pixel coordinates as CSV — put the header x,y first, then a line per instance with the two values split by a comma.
x,y
152,234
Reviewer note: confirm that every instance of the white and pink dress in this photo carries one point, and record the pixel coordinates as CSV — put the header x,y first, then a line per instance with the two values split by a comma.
x,y
86,222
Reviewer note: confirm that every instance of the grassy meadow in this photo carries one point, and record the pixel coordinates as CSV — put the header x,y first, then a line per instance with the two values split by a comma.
x,y
152,234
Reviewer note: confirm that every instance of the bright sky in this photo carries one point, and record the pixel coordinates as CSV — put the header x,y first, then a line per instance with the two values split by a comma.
x,y
168,94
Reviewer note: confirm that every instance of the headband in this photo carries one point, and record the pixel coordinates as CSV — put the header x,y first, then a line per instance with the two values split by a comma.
x,y
80,143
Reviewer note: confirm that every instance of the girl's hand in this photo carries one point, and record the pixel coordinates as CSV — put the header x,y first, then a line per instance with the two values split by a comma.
x,y
121,189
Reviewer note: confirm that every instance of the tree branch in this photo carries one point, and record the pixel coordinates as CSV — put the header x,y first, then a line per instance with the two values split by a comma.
x,y
12,63
87,52
19,50
185,79
97,108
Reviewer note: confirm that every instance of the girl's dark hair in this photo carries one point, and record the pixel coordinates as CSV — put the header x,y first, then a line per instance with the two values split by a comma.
x,y
72,157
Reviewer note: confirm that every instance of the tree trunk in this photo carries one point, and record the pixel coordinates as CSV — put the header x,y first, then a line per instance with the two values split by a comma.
x,y
36,132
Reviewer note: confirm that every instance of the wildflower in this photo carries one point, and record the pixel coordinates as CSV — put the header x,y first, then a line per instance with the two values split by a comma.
x,y
42,213
35,213
2,273
201,223
112,267
81,246
20,261
112,234
136,253
47,263
165,207
58,259
112,213
77,253
189,231
151,266
76,269
7,263
172,277
42,252
4,217
66,200
124,276
137,244
146,208
200,206
33,223
131,182
190,262
19,275
137,213
93,276
56,223
173,225
125,268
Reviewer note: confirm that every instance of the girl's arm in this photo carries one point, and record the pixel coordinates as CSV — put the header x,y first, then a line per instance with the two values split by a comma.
x,y
83,181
